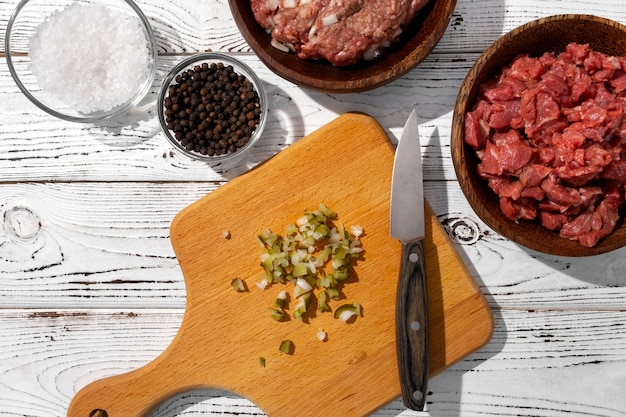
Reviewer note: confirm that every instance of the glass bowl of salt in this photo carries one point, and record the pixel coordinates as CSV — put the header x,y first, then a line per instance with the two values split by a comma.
x,y
81,60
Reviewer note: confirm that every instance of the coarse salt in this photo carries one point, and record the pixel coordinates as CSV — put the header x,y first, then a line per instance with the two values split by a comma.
x,y
90,57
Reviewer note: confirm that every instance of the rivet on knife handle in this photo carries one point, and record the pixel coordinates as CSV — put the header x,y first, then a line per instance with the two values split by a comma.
x,y
412,326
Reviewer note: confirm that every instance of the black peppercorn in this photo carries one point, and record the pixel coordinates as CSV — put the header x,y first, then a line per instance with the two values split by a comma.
x,y
212,109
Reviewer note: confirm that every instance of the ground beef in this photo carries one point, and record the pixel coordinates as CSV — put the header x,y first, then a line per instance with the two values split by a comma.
x,y
550,133
340,31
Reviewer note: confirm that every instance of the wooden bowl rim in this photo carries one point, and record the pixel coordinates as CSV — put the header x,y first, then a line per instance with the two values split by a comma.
x,y
531,235
359,77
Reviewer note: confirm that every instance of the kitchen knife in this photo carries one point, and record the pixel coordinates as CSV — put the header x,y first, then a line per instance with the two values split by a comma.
x,y
407,225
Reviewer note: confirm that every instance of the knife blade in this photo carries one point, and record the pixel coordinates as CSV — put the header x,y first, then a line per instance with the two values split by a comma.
x,y
407,224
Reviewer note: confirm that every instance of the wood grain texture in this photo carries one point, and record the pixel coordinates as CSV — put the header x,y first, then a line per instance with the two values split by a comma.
x,y
106,245
364,377
412,325
566,363
105,196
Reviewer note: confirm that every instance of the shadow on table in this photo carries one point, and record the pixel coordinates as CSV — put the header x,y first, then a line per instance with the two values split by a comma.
x,y
606,270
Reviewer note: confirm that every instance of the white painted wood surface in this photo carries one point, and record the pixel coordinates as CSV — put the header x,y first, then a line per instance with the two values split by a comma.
x,y
90,287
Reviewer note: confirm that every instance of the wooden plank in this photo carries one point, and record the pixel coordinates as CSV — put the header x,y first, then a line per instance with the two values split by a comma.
x,y
561,363
36,147
104,245
109,152
104,240
196,25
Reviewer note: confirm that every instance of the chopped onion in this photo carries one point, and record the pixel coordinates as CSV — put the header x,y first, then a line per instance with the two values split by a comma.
x,y
302,221
346,315
330,19
356,230
301,257
290,4
279,45
321,335
302,306
372,53
335,236
226,234
302,283
273,5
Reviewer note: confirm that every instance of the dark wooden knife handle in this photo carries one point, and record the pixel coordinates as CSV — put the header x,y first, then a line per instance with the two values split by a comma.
x,y
412,325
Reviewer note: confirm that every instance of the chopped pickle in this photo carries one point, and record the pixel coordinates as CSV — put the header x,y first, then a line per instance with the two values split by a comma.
x,y
333,293
316,255
347,311
307,246
281,299
238,284
277,313
322,301
302,306
287,346
300,270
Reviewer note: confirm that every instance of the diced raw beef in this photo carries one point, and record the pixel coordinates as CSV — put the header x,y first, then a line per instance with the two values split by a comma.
x,y
503,114
550,133
507,154
552,221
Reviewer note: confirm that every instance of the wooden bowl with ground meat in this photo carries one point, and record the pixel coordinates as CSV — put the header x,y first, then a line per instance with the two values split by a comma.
x,y
335,59
538,135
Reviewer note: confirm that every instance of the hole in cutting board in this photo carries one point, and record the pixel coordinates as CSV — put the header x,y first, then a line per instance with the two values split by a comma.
x,y
198,401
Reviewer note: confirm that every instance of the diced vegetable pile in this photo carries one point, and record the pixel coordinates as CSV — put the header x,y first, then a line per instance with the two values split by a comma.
x,y
301,257
314,255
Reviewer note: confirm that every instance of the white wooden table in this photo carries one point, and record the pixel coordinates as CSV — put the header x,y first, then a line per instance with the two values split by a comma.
x,y
90,287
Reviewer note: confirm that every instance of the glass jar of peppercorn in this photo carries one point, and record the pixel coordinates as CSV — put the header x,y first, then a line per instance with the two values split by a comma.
x,y
212,107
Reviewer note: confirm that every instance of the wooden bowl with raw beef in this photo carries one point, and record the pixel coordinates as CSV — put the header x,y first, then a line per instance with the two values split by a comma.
x,y
539,135
358,47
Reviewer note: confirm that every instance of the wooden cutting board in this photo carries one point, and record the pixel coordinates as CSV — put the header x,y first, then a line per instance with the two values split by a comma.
x,y
346,165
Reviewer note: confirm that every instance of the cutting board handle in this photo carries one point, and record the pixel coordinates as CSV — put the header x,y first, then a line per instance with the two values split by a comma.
x,y
136,393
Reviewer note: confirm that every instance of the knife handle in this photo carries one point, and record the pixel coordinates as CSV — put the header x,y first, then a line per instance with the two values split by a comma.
x,y
412,325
